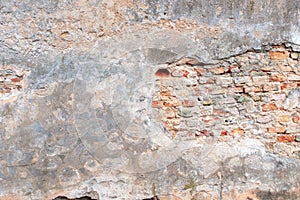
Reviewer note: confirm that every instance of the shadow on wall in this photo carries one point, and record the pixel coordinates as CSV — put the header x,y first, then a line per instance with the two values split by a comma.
x,y
80,198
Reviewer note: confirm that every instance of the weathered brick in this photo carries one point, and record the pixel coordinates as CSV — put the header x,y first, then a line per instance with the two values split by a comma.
x,y
270,87
241,80
224,80
238,89
293,77
252,89
219,112
277,129
293,129
279,55
218,91
258,80
277,97
277,77
217,70
228,100
286,138
200,71
263,119
207,80
188,103
269,107
284,68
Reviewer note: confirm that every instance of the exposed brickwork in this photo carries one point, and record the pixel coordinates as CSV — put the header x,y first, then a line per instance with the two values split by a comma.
x,y
245,95
12,82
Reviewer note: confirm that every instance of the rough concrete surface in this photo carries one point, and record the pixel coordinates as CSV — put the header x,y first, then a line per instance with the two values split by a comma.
x,y
149,99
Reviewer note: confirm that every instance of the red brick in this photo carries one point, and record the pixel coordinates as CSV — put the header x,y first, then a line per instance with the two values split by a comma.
x,y
269,107
279,55
278,129
188,103
286,138
277,77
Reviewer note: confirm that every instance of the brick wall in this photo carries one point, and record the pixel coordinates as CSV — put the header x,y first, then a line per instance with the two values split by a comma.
x,y
12,82
255,94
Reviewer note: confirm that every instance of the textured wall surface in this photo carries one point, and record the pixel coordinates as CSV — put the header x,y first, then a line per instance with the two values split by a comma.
x,y
149,99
